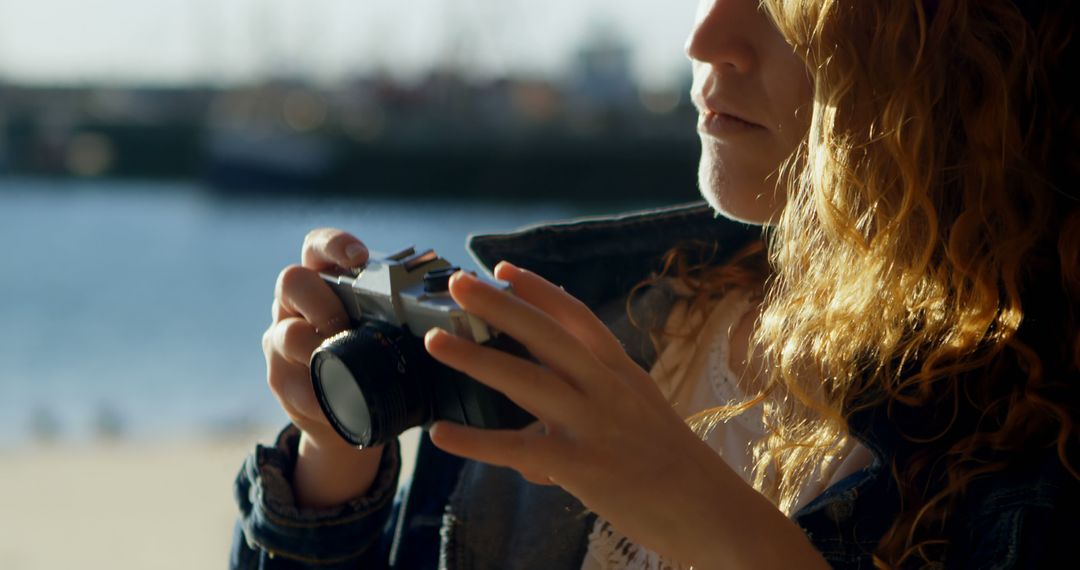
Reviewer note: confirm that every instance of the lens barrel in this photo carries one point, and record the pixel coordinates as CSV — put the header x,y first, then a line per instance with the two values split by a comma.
x,y
376,381
368,382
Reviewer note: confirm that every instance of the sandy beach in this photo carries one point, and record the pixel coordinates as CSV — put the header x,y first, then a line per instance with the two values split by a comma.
x,y
124,505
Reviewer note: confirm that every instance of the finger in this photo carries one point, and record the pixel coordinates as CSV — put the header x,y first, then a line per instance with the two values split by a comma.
x,y
577,319
328,247
295,339
301,291
567,310
279,312
536,477
536,390
525,451
291,385
540,334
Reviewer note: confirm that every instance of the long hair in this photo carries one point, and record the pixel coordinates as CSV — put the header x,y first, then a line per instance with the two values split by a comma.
x,y
928,257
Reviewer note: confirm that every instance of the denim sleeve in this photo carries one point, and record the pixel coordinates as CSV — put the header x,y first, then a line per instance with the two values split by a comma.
x,y
1034,525
1023,537
273,533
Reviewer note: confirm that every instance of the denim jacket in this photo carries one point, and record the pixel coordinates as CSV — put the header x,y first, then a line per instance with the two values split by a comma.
x,y
461,514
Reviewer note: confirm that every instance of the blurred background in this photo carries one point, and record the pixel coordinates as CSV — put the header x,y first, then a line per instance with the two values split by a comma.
x,y
160,162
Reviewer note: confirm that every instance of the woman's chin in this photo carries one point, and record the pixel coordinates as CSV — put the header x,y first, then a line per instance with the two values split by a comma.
x,y
737,210
738,199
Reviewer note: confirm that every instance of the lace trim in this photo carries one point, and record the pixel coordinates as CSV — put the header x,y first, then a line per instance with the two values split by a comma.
x,y
724,383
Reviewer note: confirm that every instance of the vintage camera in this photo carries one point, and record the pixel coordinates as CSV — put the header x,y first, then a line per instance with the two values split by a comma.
x,y
376,380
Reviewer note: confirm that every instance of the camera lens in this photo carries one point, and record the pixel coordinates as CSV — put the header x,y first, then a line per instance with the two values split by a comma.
x,y
349,408
368,382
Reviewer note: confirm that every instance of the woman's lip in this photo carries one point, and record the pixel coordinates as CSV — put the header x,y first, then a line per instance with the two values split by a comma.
x,y
721,125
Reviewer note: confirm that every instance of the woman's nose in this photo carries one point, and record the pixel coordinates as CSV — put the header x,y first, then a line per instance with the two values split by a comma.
x,y
721,34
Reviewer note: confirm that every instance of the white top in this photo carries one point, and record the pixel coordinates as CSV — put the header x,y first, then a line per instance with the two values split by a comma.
x,y
695,374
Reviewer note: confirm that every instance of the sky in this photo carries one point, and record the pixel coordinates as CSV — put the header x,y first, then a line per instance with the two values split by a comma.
x,y
234,41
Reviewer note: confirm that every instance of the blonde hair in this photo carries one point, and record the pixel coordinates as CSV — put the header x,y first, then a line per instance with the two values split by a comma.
x,y
928,256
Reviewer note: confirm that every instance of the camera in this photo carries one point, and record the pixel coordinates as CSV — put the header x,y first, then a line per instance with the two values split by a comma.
x,y
376,379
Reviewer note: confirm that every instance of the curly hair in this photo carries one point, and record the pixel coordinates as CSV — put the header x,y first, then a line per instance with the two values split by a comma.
x,y
927,261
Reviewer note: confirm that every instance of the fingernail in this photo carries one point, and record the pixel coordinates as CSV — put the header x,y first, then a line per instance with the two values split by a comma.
x,y
440,430
507,266
356,252
461,275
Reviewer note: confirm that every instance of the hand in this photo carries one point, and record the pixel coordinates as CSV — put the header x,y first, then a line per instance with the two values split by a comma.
x,y
306,311
605,433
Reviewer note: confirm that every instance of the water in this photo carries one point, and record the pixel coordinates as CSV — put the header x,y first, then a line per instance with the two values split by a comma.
x,y
137,308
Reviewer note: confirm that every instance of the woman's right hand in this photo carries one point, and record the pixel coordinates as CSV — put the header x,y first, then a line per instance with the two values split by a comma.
x,y
329,471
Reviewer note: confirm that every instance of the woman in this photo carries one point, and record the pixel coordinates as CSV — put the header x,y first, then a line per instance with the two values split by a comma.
x,y
903,355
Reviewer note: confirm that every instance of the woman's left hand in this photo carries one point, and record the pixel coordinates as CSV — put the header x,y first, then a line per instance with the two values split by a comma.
x,y
605,433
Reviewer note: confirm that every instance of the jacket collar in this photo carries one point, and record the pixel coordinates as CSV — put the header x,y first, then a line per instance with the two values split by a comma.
x,y
598,259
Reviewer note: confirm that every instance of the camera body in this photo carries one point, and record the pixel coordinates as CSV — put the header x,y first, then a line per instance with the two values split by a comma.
x,y
376,379
408,289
